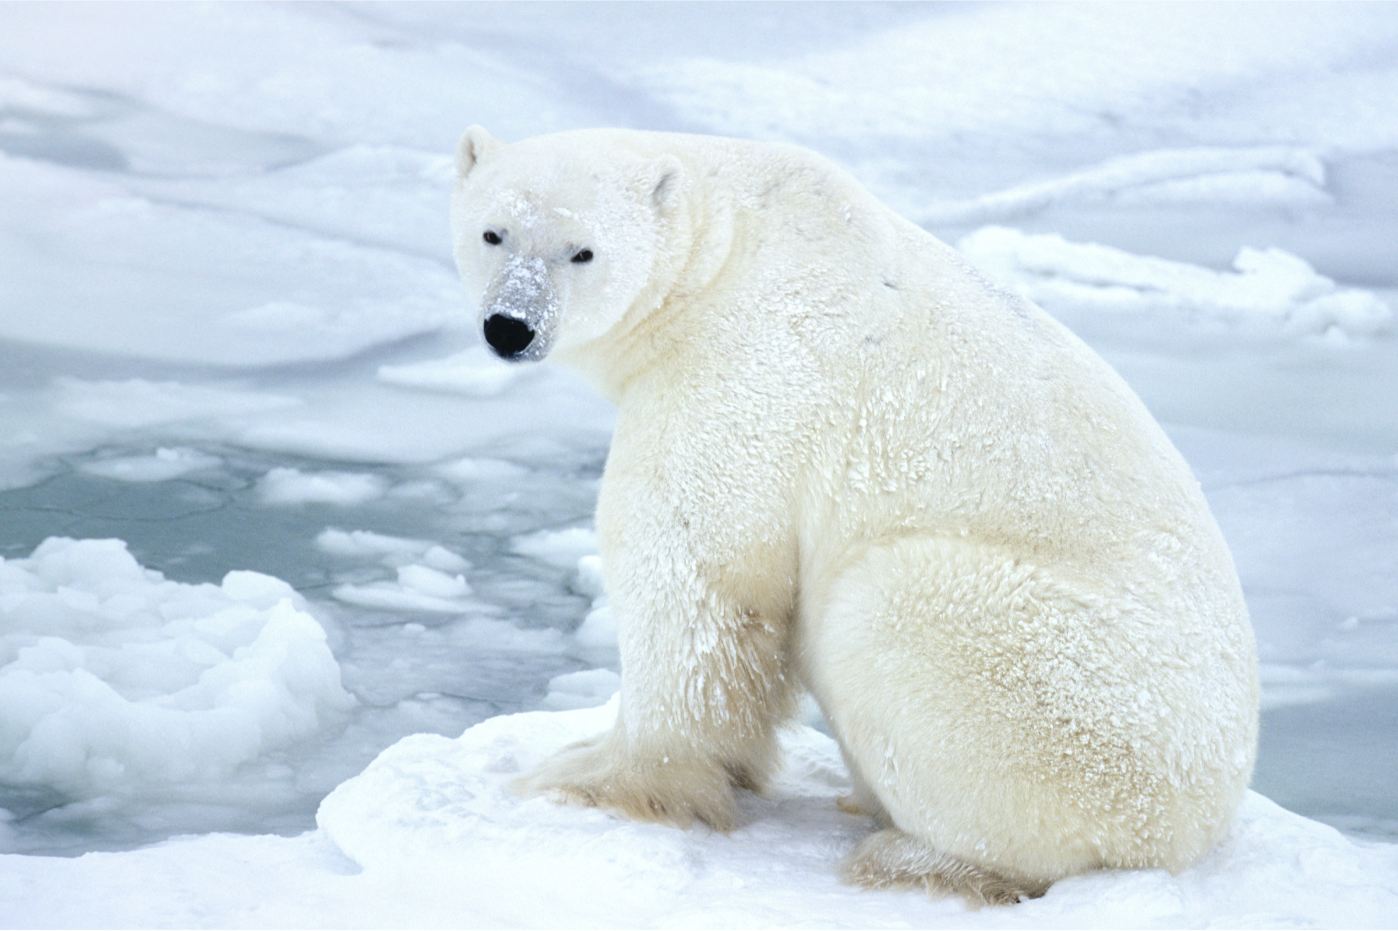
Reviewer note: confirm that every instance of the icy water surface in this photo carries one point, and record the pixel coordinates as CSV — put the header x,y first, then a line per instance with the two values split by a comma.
x,y
409,670
335,529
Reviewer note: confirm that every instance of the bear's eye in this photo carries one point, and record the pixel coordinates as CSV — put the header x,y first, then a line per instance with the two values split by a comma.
x,y
492,237
583,256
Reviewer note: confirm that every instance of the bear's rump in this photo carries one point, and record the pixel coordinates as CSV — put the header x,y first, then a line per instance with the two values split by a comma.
x,y
997,712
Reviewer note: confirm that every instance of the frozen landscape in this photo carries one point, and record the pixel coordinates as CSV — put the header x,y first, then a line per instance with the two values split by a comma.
x,y
275,530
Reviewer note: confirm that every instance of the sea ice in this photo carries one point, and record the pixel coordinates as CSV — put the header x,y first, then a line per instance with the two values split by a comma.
x,y
224,252
559,547
137,402
1255,175
1268,288
418,588
115,680
472,372
161,466
292,486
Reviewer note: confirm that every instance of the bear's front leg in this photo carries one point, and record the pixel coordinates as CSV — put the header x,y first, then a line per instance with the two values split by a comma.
x,y
644,785
698,715
703,623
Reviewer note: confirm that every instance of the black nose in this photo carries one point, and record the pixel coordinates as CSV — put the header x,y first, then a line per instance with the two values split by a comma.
x,y
507,336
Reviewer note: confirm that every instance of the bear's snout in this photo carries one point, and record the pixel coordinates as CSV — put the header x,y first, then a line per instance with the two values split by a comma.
x,y
507,336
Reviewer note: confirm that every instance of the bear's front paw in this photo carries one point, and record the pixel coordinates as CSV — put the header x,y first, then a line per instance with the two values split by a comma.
x,y
665,789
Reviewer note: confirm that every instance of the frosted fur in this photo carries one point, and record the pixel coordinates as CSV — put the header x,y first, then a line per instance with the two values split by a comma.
x,y
846,461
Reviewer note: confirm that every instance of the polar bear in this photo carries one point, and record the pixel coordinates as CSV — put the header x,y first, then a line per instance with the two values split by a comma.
x,y
847,462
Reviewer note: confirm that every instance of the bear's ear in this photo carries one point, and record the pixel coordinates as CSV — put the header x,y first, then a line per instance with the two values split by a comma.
x,y
475,144
666,173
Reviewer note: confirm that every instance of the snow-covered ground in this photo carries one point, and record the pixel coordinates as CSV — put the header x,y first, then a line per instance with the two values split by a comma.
x,y
267,509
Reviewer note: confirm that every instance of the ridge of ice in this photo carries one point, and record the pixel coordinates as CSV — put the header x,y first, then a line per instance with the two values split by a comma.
x,y
1257,174
1269,289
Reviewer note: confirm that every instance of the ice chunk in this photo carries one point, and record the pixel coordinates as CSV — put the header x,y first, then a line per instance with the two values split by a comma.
x,y
473,471
292,486
433,582
391,551
388,596
439,557
366,543
418,588
586,688
598,629
589,580
114,679
562,548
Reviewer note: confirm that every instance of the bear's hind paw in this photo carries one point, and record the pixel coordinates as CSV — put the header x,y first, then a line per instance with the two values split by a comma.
x,y
893,859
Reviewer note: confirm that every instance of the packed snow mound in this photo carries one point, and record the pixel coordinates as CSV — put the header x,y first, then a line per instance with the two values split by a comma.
x,y
114,679
432,810
431,806
1269,289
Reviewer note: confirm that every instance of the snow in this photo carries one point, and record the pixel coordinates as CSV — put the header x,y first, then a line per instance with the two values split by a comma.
x,y
1245,175
431,835
1268,288
136,402
281,536
135,248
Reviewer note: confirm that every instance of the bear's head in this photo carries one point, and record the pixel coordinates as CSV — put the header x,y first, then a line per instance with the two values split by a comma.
x,y
559,236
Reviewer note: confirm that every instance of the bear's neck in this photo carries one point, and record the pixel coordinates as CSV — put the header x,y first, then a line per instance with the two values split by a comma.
x,y
663,323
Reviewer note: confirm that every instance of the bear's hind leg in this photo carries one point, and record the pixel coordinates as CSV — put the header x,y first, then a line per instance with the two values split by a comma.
x,y
892,859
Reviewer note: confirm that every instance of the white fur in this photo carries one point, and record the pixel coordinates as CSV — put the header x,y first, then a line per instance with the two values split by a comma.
x,y
845,460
